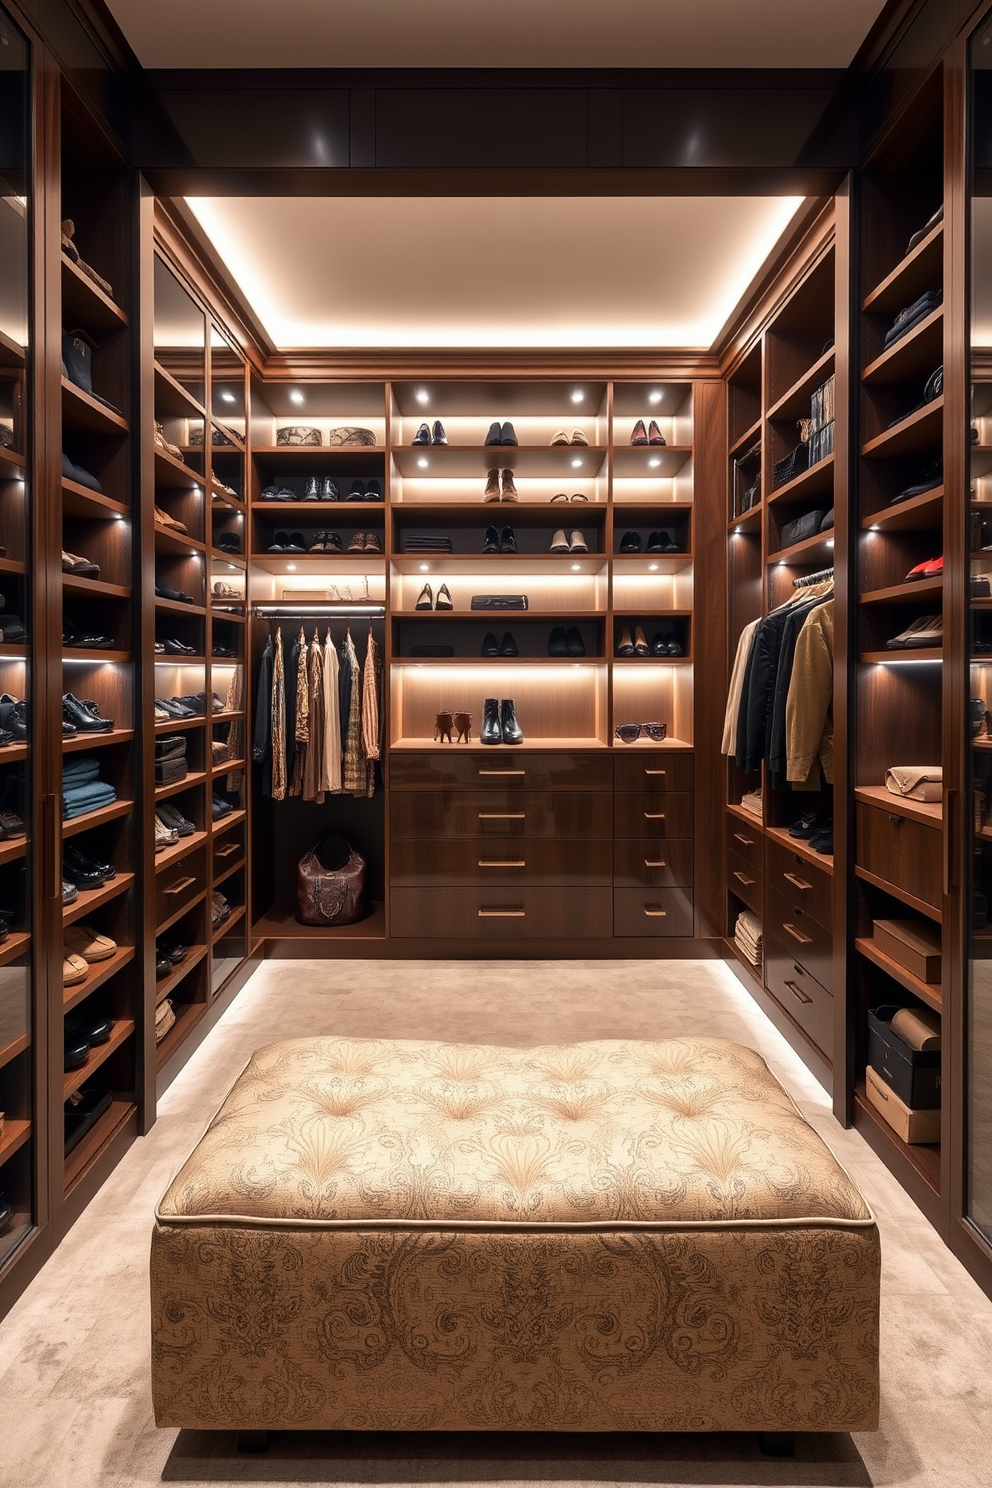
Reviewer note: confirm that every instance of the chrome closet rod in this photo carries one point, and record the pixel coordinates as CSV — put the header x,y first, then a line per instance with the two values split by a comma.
x,y
319,612
805,580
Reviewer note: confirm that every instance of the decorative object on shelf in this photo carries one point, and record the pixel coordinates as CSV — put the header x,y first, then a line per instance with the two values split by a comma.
x,y
915,782
330,883
500,602
72,252
349,436
297,435
629,733
221,589
501,433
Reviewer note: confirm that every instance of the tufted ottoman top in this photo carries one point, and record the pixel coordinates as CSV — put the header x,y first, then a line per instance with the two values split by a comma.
x,y
327,1132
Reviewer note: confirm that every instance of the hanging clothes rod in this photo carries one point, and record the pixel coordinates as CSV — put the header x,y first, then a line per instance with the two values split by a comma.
x,y
804,580
318,611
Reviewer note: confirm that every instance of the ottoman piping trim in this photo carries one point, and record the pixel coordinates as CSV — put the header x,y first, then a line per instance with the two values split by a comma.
x,y
502,1226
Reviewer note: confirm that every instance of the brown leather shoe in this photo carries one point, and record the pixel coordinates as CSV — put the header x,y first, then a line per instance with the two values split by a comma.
x,y
492,486
509,489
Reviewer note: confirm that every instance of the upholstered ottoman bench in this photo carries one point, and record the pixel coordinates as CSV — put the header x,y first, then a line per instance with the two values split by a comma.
x,y
607,1236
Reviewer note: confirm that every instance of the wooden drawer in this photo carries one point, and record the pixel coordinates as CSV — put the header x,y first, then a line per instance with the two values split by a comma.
x,y
901,851
644,814
652,863
807,1002
806,939
800,882
501,861
747,882
652,912
450,768
747,842
643,771
514,814
176,886
521,913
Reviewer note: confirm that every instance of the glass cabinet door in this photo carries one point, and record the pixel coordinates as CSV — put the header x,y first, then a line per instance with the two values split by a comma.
x,y
18,1021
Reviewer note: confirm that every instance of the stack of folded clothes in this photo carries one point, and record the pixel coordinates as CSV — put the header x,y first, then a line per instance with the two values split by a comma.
x,y
82,788
748,936
751,801
426,542
170,759
904,322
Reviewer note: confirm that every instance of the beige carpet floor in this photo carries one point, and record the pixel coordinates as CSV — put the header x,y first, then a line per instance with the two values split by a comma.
x,y
75,1408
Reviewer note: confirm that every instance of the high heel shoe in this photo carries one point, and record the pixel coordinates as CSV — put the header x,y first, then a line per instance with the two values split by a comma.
x,y
641,647
425,599
444,601
625,646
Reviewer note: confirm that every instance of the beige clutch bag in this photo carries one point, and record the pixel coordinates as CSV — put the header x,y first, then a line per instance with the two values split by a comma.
x,y
915,782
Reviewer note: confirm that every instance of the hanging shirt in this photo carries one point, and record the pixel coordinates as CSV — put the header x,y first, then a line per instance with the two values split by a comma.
x,y
315,751
302,729
331,773
278,705
261,749
355,773
370,702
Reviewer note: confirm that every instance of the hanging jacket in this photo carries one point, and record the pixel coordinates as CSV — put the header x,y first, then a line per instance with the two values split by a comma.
x,y
759,689
315,748
331,771
809,714
370,700
261,749
776,745
355,772
729,744
302,729
278,705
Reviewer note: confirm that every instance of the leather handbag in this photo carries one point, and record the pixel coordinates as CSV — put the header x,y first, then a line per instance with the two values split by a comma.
x,y
330,883
794,464
499,602
350,436
801,527
297,434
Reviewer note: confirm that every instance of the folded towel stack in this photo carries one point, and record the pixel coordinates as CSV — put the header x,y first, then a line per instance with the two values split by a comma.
x,y
748,936
82,788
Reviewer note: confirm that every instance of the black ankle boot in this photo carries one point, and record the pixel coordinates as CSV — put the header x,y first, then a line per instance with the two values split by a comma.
x,y
490,732
512,732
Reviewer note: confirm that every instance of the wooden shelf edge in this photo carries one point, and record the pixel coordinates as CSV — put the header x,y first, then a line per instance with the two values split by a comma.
x,y
97,1139
923,990
100,972
88,899
167,985
802,849
98,1055
930,813
920,905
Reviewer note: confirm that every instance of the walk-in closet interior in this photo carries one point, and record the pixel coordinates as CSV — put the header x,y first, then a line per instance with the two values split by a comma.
x,y
360,506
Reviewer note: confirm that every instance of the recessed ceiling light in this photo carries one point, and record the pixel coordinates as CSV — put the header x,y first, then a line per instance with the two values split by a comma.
x,y
227,397
290,567
576,567
576,464
655,397
423,396
578,396
830,542
652,568
425,568
422,463
654,463
296,396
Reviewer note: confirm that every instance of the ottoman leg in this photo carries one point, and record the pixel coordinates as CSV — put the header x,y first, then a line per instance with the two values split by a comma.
x,y
253,1441
777,1443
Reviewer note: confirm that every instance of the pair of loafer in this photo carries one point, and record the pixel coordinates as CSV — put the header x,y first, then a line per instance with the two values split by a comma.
x,y
426,435
506,647
499,540
365,542
562,436
80,568
169,955
82,871
166,591
288,542
320,488
220,808
228,542
566,642
84,715
174,820
574,544
326,542
171,647
501,433
83,1031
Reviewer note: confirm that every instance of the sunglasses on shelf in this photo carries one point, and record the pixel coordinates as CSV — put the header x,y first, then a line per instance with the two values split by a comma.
x,y
628,732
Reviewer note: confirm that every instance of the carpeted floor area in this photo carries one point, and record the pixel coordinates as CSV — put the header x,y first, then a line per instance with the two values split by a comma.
x,y
74,1395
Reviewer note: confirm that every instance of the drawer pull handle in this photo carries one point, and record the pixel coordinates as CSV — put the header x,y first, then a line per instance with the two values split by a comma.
x,y
655,863
654,772
502,863
797,934
502,914
179,885
655,911
798,883
225,852
502,772
798,993
743,878
897,821
654,816
747,841
502,815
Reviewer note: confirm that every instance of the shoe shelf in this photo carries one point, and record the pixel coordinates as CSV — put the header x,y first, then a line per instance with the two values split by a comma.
x,y
225,823
177,607
414,563
913,357
172,398
84,414
99,972
560,743
477,617
918,513
12,754
913,435
12,465
922,1159
901,658
12,566
179,725
628,565
162,659
801,848
72,826
315,509
906,593
226,926
83,301
326,563
178,914
176,787
11,851
80,501
221,875
12,651
280,923
794,403
744,441
12,353
320,459
172,472
188,1014
167,985
228,767
169,541
812,552
123,1029
99,1138
81,655
815,481
89,899
444,462
93,588
929,812
506,663
623,662
11,1050
15,1134
171,855
912,276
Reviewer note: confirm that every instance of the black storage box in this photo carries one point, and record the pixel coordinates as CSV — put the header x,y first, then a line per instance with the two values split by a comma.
x,y
914,1074
801,527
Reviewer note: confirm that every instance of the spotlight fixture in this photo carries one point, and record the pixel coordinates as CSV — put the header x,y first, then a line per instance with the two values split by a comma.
x,y
290,567
422,463
655,396
425,568
227,397
578,396
423,396
296,396
576,464
652,568
654,463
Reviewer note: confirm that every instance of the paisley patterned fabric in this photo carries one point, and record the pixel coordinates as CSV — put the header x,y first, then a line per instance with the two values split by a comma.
x,y
603,1236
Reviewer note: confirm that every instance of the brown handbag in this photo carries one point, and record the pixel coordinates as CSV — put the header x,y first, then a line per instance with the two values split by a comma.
x,y
330,883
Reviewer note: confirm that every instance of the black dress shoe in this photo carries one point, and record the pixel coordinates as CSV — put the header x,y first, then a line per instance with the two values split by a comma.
x,y
438,435
94,1029
495,435
357,492
296,543
630,542
654,543
75,872
574,641
220,807
311,491
668,544
174,950
557,642
166,591
507,436
509,727
83,716
508,646
489,645
490,732
176,648
174,709
373,491
163,967
228,542
77,1051
659,645
328,490
507,541
80,475
278,543
491,541
423,435
87,640
91,864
